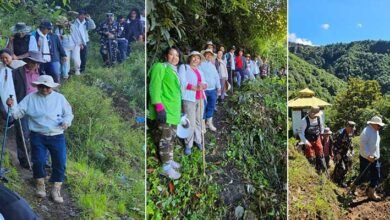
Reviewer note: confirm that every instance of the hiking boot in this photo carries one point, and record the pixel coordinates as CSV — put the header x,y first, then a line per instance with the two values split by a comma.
x,y
41,190
210,124
77,73
174,165
199,146
169,172
372,194
56,193
187,151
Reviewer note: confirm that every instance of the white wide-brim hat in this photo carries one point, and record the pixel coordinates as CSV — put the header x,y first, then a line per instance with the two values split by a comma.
x,y
45,80
181,131
376,120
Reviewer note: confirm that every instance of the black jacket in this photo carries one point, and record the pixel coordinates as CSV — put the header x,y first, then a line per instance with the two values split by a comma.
x,y
20,83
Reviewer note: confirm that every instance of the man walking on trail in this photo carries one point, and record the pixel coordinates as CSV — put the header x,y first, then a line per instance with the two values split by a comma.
x,y
84,23
343,151
311,129
49,114
230,64
108,45
370,154
22,79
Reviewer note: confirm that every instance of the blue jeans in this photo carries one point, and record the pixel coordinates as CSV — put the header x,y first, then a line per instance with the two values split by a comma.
x,y
211,96
241,76
122,46
373,173
57,148
53,69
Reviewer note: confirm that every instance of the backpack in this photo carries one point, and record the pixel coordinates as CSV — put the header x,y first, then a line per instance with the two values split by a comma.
x,y
312,132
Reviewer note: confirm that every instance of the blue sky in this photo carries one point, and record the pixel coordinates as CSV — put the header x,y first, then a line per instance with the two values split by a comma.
x,y
321,22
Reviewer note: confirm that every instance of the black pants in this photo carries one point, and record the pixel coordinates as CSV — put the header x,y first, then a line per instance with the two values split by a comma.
x,y
373,173
83,57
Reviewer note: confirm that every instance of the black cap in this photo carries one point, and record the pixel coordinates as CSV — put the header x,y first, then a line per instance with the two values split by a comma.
x,y
82,12
46,24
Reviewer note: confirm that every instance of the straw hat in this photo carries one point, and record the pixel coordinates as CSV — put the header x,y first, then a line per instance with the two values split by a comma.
x,y
376,120
195,53
315,110
203,52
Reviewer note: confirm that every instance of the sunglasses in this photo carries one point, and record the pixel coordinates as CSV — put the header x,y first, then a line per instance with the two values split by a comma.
x,y
43,87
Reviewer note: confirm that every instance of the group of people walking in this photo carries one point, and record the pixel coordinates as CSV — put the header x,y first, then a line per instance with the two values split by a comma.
x,y
192,89
321,145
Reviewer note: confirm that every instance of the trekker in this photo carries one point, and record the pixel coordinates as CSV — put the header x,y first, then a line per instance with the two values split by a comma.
x,y
327,143
230,60
311,129
6,82
165,109
22,79
264,70
213,87
135,28
370,154
210,45
14,207
193,84
220,64
84,23
123,43
108,45
50,47
343,151
49,114
18,44
240,67
71,42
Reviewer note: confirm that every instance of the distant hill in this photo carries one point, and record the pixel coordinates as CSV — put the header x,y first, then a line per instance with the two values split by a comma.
x,y
303,74
364,59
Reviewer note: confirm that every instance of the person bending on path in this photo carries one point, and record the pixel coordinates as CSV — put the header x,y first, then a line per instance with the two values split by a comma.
x,y
193,84
165,108
343,151
23,78
327,143
311,129
220,64
19,42
71,42
108,45
49,45
370,154
49,114
213,87
84,23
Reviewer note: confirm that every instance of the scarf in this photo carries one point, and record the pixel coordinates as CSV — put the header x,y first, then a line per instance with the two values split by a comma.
x,y
43,45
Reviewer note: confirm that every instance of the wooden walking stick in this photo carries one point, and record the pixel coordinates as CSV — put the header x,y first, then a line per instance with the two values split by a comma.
x,y
24,144
202,141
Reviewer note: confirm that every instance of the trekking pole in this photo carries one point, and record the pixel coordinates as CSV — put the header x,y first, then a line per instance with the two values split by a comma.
x,y
232,80
202,142
3,171
24,144
358,178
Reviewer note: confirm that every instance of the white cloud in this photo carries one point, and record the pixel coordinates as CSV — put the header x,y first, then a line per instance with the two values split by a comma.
x,y
359,25
325,26
292,37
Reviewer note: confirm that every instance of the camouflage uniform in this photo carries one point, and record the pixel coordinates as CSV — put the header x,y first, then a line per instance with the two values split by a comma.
x,y
108,47
163,136
344,147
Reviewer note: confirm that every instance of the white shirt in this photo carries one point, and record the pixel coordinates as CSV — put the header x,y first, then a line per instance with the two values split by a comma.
x,y
82,29
45,113
304,126
369,142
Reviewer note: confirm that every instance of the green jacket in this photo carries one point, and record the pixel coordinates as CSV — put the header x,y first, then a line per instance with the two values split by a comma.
x,y
164,87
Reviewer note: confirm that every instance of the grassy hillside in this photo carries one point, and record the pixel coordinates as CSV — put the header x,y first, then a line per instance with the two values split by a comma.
x,y
303,74
364,59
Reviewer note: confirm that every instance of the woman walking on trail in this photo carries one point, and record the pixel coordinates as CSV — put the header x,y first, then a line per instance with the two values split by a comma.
x,y
220,63
6,80
192,85
213,87
165,108
240,67
49,114
135,29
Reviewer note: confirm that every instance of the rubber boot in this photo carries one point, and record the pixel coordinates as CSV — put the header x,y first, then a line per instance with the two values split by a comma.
x,y
210,124
372,194
56,193
41,189
169,172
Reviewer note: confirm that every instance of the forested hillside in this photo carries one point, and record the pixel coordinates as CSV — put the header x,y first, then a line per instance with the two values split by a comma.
x,y
363,59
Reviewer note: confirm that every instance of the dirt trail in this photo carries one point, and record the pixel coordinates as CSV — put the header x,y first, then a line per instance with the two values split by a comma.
x,y
362,208
45,208
231,180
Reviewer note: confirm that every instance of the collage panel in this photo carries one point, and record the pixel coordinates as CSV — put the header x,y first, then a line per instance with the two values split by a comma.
x,y
72,105
339,106
216,109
